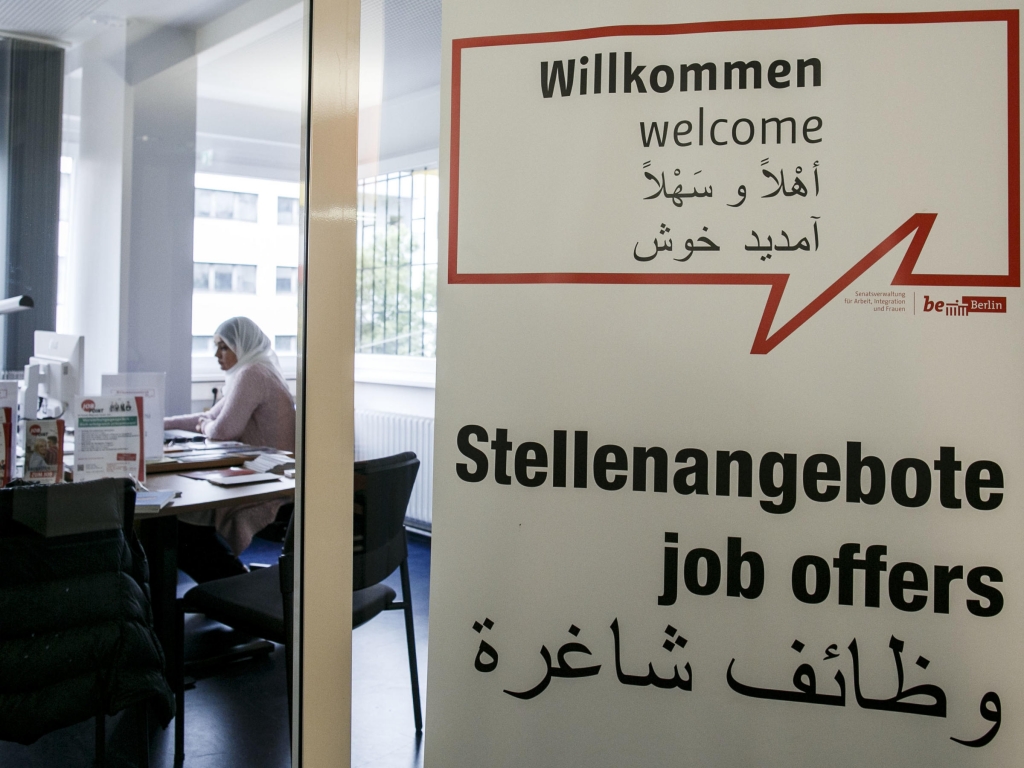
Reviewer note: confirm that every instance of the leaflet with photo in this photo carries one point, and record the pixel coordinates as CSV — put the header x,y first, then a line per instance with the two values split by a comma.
x,y
44,451
6,465
9,400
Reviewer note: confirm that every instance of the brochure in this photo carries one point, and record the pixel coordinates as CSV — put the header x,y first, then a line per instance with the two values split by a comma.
x,y
9,400
6,465
150,387
109,438
44,451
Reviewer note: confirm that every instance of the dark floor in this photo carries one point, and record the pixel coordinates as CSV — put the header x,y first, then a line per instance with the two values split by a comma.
x,y
239,718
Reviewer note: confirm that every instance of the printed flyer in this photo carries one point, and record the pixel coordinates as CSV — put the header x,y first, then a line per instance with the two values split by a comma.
x,y
6,424
729,413
109,438
151,387
44,451
9,401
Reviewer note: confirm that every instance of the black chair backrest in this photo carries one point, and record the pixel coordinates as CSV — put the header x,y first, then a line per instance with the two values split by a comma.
x,y
65,531
388,486
67,509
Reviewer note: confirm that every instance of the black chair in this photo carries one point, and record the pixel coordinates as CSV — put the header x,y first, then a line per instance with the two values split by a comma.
x,y
383,487
76,637
260,603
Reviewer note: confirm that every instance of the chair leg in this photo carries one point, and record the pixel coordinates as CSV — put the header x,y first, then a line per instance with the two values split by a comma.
x,y
143,727
289,656
179,685
101,737
410,636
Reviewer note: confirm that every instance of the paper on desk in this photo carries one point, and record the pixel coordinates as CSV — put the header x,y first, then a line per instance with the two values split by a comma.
x,y
151,502
246,479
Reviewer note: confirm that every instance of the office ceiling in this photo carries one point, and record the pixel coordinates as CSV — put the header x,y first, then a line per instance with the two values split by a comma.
x,y
267,72
412,46
250,87
45,18
74,21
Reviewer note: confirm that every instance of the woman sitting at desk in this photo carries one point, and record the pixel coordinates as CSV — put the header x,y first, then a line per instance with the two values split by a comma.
x,y
257,409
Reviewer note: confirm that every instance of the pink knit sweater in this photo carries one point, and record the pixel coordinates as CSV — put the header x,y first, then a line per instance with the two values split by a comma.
x,y
258,410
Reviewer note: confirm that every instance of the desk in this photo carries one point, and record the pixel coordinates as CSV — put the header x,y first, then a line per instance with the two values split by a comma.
x,y
198,495
159,536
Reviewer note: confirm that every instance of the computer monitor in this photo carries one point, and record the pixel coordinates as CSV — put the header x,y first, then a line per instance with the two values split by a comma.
x,y
54,374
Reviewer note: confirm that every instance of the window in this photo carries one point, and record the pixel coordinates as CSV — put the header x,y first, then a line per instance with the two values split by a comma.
x,y
65,190
288,211
285,345
219,204
202,345
224,278
396,283
287,280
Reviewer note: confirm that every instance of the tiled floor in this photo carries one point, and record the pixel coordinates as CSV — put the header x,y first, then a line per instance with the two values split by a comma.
x,y
238,718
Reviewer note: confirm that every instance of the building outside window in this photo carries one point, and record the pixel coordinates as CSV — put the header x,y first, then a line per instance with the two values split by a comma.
x,y
286,345
287,280
288,211
224,278
202,345
244,268
222,204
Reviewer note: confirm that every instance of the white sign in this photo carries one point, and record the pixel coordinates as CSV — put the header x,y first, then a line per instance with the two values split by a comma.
x,y
150,387
108,437
728,454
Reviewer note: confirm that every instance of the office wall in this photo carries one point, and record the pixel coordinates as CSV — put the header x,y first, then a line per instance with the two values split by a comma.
x,y
130,282
156,264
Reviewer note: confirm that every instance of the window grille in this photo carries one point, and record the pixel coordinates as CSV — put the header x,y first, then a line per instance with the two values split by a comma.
x,y
396,300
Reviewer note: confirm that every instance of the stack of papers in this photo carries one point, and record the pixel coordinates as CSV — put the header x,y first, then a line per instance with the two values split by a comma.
x,y
275,463
151,502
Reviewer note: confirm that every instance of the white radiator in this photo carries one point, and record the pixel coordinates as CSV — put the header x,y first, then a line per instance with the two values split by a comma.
x,y
385,434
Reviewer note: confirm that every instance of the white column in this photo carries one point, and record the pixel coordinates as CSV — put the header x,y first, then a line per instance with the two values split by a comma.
x,y
95,260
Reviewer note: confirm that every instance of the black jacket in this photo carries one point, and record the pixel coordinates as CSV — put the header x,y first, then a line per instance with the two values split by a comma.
x,y
76,627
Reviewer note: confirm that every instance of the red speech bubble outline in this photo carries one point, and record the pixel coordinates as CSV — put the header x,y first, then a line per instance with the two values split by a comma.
x,y
919,224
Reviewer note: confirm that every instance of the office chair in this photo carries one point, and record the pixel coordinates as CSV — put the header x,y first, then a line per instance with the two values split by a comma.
x,y
383,487
76,639
260,603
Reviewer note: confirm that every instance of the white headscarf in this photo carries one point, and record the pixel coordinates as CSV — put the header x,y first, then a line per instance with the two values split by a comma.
x,y
250,345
